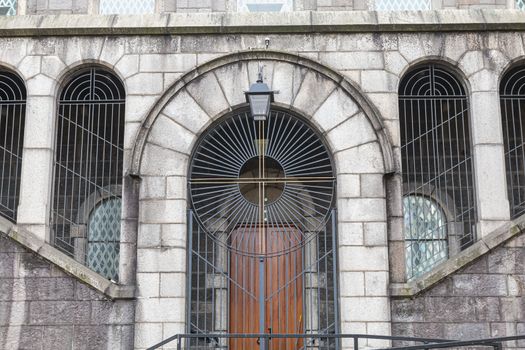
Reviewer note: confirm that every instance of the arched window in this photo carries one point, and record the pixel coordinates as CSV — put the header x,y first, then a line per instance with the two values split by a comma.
x,y
88,169
512,95
437,167
12,118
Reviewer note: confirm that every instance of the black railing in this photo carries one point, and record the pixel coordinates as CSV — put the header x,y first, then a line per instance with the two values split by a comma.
x,y
264,341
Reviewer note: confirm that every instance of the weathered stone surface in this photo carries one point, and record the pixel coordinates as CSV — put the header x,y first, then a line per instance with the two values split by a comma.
x,y
58,337
20,337
479,301
43,308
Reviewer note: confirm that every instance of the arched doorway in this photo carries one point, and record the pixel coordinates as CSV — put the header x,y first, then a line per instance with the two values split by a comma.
x,y
262,240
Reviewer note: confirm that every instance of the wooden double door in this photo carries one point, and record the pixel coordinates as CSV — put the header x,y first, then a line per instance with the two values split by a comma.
x,y
266,286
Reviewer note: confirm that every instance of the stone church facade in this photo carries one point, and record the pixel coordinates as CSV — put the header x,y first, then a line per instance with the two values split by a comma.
x,y
391,172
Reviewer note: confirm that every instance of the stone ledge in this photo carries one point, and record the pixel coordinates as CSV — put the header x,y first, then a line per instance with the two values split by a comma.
x,y
245,23
69,265
483,246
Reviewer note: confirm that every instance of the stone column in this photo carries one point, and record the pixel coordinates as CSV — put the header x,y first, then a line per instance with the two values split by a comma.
x,y
488,153
129,229
396,238
38,155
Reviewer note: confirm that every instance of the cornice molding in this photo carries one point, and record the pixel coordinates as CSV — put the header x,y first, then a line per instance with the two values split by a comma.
x,y
302,22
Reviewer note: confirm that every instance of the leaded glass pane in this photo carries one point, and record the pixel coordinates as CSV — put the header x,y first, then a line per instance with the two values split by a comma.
x,y
425,230
8,7
403,5
104,237
127,7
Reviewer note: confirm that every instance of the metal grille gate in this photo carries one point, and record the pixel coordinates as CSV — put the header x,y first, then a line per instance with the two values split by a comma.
x,y
262,238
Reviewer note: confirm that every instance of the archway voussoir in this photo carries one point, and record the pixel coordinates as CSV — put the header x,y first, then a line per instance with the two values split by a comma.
x,y
365,158
313,91
183,109
207,92
169,134
353,132
334,110
157,160
287,79
233,80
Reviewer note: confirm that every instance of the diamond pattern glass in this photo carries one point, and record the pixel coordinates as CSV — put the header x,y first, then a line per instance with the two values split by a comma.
x,y
520,5
403,5
104,237
425,230
8,7
126,7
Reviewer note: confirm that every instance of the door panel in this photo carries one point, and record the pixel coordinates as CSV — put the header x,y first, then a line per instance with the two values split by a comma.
x,y
283,299
244,287
284,287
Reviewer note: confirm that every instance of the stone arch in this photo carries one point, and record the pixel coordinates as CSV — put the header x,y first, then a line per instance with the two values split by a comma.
x,y
293,75
351,126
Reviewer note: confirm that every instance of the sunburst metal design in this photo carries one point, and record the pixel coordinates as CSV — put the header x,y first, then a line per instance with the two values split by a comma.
x,y
275,176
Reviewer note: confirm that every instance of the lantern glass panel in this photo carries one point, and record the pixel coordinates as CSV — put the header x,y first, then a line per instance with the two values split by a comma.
x,y
260,105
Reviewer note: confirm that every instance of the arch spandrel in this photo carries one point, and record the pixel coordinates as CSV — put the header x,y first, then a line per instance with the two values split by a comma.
x,y
304,86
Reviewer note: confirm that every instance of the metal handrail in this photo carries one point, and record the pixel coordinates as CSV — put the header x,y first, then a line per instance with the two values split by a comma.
x,y
427,343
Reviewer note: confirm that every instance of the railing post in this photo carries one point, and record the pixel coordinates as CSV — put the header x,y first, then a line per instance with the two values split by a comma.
x,y
356,343
179,342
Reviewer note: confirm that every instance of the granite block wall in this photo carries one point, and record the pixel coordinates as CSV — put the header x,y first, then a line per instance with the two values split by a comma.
x,y
43,308
485,299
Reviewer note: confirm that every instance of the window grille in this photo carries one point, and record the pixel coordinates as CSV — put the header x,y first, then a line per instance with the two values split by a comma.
x,y
437,167
520,5
264,5
12,118
88,170
126,7
403,5
512,95
8,7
